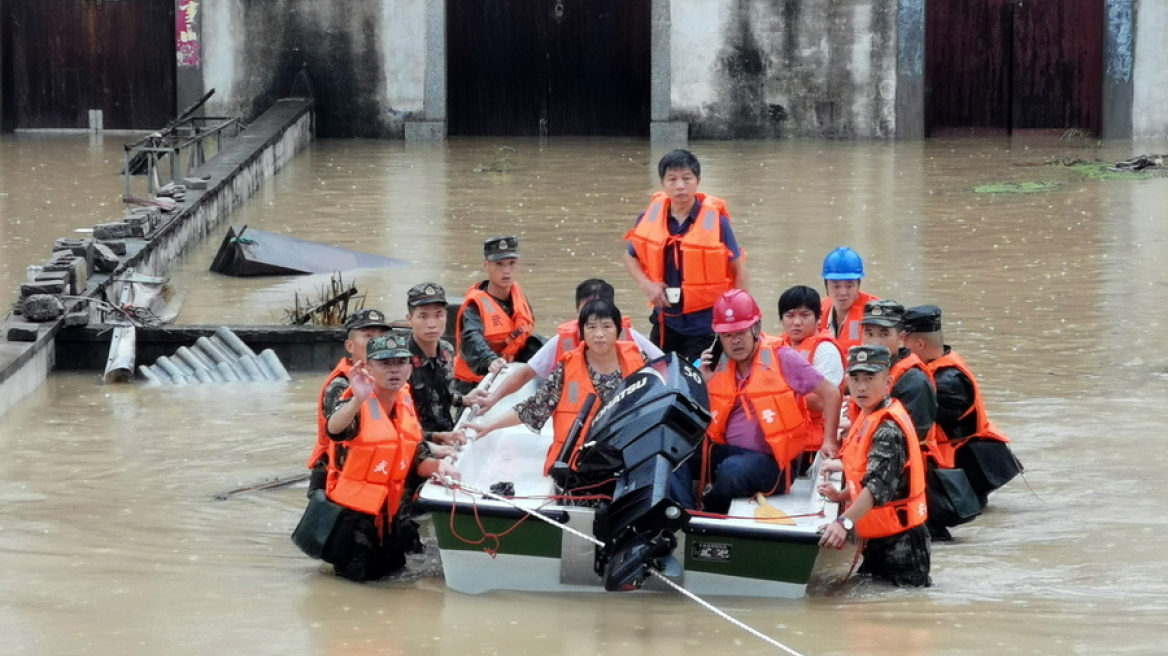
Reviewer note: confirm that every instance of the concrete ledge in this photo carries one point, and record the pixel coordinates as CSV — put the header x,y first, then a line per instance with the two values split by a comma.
x,y
669,132
234,174
25,365
425,131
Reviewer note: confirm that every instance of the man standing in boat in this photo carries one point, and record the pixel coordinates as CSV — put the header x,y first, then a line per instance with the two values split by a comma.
x,y
965,436
375,454
495,322
360,327
843,309
683,254
759,421
432,376
884,479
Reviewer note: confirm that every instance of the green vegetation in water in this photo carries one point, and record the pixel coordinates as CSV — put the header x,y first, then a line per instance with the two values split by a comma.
x,y
501,163
1101,171
1016,187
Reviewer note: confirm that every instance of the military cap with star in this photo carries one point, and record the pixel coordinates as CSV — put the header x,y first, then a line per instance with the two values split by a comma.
x,y
388,346
425,294
868,359
500,248
883,313
366,319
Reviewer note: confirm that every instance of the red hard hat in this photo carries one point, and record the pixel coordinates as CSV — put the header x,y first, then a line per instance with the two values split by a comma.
x,y
735,311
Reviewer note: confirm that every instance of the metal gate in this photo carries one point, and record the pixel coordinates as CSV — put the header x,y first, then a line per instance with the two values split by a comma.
x,y
1006,65
74,57
548,67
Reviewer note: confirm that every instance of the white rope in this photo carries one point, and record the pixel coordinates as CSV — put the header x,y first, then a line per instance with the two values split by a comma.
x,y
449,482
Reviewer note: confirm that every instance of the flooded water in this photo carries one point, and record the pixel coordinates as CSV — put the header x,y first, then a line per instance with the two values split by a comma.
x,y
111,542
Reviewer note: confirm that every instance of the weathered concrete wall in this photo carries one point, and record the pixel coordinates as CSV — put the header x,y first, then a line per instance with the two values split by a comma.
x,y
766,68
1118,57
1149,109
367,59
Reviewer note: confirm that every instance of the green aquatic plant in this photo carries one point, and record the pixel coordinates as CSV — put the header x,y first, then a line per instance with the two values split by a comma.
x,y
1016,187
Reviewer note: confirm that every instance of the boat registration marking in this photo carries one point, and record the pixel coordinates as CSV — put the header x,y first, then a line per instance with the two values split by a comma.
x,y
715,551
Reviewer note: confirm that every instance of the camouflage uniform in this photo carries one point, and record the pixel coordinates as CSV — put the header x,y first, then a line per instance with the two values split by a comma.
x,y
904,558
432,388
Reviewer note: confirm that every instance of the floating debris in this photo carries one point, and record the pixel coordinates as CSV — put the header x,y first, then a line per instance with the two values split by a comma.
x,y
221,358
262,253
501,163
330,308
1017,187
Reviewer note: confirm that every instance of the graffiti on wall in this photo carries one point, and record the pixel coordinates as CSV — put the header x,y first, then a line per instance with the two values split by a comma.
x,y
186,34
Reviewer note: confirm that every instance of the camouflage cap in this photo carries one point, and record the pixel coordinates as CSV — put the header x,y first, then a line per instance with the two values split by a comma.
x,y
386,347
366,319
922,319
868,359
425,294
500,248
883,313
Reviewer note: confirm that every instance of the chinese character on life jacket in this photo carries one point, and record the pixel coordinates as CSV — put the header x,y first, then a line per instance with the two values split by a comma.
x,y
496,321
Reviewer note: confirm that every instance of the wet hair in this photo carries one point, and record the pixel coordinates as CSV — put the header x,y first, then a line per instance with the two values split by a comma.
x,y
601,309
679,160
797,297
595,288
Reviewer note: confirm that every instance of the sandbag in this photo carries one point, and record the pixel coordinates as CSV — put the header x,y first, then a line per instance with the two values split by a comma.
x,y
952,500
312,533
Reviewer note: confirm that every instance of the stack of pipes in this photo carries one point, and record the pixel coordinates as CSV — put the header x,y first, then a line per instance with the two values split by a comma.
x,y
220,358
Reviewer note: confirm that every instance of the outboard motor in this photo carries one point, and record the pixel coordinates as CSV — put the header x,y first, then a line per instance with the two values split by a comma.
x,y
652,423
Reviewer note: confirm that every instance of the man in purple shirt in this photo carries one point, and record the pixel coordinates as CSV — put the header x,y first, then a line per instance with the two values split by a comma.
x,y
759,419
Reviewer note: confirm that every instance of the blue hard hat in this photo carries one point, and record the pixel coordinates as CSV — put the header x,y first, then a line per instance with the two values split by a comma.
x,y
843,264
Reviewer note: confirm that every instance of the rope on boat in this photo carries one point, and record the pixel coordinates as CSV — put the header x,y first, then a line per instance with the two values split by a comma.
x,y
451,483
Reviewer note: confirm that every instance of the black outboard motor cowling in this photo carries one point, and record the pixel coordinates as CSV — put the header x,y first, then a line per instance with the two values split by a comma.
x,y
651,425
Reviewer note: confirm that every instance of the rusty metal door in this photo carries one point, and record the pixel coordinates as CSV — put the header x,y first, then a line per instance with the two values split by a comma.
x,y
74,56
550,67
1058,65
1005,65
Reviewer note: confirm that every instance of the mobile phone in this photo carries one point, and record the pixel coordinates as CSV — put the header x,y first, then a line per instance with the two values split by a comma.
x,y
716,349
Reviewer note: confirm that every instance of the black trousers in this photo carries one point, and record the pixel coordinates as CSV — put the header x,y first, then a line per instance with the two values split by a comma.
x,y
358,553
689,347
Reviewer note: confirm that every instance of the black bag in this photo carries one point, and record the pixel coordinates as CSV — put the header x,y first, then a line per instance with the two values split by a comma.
x,y
952,500
317,523
992,464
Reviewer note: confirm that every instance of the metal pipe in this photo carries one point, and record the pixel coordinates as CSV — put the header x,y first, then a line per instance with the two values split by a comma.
x,y
231,339
214,352
269,357
266,369
149,375
203,376
253,370
228,373
171,369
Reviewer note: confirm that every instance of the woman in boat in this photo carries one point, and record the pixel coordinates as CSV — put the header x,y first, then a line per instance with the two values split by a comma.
x,y
597,366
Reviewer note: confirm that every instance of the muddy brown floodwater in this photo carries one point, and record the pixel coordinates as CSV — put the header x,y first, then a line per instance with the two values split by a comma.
x,y
110,542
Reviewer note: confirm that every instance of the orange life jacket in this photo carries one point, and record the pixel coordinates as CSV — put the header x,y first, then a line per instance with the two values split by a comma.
x,y
378,460
703,259
569,336
898,515
577,387
322,438
942,448
766,397
851,333
505,334
807,349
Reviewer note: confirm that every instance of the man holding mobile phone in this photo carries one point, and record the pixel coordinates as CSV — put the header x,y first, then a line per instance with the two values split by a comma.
x,y
683,254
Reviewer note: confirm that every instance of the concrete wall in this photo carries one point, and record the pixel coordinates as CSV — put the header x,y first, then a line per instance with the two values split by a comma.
x,y
367,60
760,68
1150,93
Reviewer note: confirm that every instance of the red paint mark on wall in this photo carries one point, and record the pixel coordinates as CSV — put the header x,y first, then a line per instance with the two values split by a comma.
x,y
185,34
